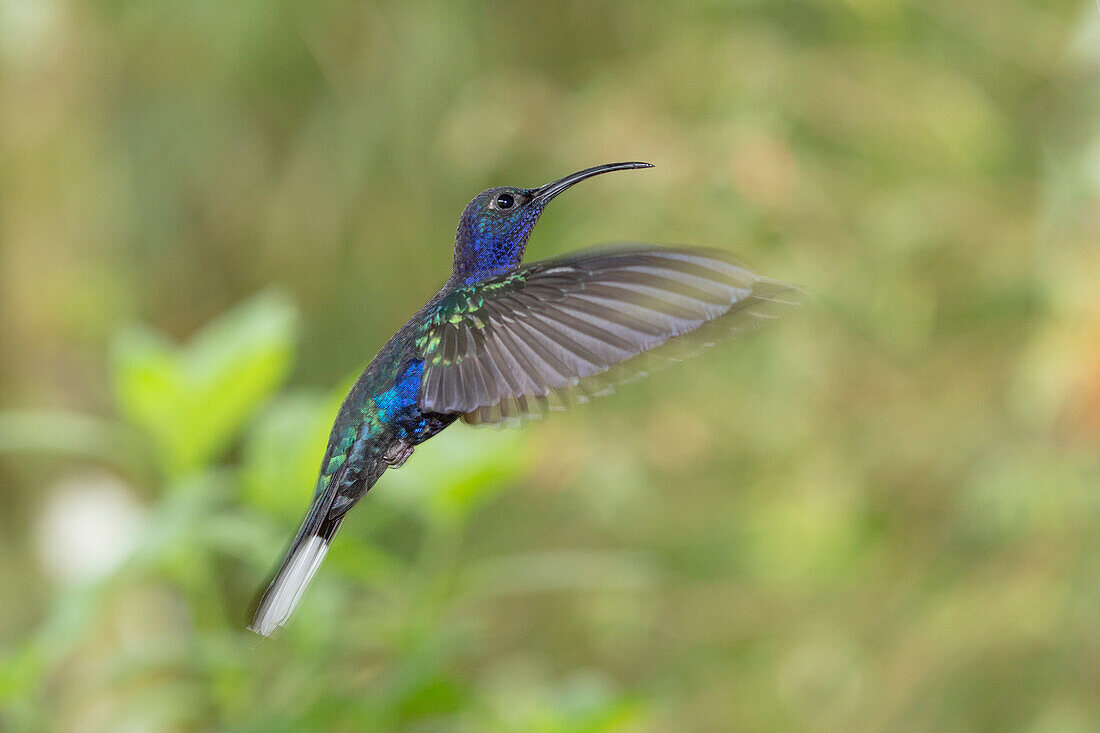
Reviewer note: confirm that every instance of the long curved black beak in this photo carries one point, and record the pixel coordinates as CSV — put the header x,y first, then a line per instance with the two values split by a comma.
x,y
550,190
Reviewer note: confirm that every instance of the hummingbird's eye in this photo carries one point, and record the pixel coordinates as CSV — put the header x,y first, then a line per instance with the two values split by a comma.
x,y
504,201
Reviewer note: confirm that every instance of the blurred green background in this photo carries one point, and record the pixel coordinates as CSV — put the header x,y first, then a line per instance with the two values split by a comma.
x,y
879,514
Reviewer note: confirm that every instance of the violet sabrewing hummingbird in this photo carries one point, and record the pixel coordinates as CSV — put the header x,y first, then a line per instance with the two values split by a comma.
x,y
501,342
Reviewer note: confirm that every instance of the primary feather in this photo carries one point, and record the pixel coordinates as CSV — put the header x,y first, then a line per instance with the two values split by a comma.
x,y
542,335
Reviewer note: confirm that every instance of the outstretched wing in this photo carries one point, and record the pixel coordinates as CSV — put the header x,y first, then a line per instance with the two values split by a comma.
x,y
557,331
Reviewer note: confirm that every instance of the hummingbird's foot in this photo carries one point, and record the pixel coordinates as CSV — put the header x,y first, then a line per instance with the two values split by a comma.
x,y
397,454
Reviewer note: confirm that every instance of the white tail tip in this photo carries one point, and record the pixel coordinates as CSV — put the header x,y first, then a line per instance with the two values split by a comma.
x,y
288,586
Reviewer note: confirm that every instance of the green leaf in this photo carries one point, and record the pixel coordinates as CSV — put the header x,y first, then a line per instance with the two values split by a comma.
x,y
452,475
193,399
282,453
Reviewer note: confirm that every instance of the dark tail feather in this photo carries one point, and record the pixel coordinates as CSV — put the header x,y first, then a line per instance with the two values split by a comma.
x,y
301,562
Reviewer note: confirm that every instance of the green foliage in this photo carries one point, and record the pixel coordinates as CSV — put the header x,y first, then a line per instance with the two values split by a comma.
x,y
194,398
452,478
880,514
283,451
201,523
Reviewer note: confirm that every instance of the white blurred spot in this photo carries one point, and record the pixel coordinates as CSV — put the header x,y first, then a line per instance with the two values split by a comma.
x,y
89,525
25,26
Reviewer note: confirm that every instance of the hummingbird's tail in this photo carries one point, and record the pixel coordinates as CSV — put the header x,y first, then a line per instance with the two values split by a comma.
x,y
301,562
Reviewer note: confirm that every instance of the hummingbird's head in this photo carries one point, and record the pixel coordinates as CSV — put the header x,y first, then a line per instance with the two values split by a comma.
x,y
492,234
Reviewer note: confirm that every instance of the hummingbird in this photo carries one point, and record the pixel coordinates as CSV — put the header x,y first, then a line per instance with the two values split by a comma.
x,y
502,342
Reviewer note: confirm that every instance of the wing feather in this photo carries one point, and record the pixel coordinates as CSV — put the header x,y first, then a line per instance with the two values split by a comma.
x,y
558,332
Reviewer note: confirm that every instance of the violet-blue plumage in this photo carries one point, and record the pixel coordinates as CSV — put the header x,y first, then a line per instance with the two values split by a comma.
x,y
499,342
494,228
491,245
402,395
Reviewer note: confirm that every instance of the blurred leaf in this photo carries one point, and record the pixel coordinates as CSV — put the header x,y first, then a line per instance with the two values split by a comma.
x,y
70,433
455,473
1020,491
586,701
282,453
194,398
807,541
560,571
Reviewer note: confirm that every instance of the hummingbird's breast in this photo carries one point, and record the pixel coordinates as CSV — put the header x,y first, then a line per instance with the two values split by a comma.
x,y
382,408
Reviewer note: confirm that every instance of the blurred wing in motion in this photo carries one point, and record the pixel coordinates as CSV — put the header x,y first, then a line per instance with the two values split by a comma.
x,y
559,331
